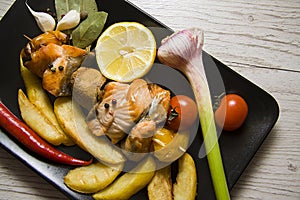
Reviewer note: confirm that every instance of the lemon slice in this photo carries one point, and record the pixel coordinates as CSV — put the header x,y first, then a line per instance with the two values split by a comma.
x,y
125,51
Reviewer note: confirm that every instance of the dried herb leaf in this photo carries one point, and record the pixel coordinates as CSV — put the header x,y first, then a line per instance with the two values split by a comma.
x,y
88,6
89,30
64,6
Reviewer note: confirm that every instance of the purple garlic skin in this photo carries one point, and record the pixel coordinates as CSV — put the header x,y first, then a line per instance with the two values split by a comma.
x,y
181,48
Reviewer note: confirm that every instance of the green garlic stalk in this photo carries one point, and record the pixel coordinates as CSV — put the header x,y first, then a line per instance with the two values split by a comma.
x,y
183,51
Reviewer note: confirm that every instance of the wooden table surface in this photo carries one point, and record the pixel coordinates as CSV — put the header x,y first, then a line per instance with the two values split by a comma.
x,y
258,39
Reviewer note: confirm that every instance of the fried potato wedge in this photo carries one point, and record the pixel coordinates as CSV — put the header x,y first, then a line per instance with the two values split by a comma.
x,y
63,110
91,178
39,97
160,186
37,121
186,180
174,149
129,183
72,121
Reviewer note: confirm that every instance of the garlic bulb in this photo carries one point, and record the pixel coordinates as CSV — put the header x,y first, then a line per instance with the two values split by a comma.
x,y
69,21
182,49
44,20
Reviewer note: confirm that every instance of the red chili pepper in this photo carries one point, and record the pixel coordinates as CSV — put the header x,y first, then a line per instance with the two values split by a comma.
x,y
32,141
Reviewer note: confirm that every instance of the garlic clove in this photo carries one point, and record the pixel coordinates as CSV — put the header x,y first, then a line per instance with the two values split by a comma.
x,y
44,20
69,21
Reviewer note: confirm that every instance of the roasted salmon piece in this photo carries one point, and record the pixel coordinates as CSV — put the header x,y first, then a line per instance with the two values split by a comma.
x,y
140,138
158,92
139,98
64,61
160,103
121,107
50,58
54,37
102,115
49,37
43,58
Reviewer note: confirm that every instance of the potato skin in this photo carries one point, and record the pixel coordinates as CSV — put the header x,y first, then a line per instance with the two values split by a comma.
x,y
37,121
63,109
160,186
91,178
130,183
186,180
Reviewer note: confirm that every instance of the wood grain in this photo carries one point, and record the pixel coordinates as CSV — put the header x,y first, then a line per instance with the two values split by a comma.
x,y
258,39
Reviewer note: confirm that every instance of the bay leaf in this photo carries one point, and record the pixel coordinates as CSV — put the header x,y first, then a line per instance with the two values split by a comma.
x,y
64,6
89,30
88,6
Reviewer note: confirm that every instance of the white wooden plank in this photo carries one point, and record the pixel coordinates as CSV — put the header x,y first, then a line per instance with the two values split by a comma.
x,y
264,34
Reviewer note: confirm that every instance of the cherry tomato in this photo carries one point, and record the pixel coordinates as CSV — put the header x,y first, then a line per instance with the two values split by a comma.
x,y
232,112
182,114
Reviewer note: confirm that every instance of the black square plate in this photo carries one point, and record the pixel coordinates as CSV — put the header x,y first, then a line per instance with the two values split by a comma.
x,y
237,148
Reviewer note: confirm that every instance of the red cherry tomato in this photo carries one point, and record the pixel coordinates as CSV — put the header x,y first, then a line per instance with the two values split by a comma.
x,y
182,114
232,112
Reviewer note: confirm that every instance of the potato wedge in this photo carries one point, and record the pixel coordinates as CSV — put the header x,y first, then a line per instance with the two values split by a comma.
x,y
38,97
72,121
37,121
160,186
63,110
130,183
186,180
91,178
174,149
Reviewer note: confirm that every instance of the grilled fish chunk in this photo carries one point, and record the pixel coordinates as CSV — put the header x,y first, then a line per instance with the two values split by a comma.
x,y
63,61
121,107
140,138
49,57
31,54
160,104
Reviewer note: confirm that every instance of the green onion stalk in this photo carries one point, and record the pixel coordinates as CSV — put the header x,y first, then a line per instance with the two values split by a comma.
x,y
183,51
